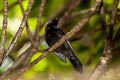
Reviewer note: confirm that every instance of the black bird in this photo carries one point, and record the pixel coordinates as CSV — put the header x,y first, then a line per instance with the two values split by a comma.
x,y
54,34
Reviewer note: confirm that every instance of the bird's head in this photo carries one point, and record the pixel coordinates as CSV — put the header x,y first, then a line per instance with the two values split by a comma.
x,y
52,24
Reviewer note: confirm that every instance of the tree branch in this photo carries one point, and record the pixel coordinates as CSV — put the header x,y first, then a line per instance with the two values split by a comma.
x,y
3,40
113,19
30,36
39,18
108,52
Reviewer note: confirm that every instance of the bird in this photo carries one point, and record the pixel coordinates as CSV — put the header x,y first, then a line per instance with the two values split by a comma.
x,y
52,35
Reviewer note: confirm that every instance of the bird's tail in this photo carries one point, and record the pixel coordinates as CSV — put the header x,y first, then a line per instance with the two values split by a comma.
x,y
76,63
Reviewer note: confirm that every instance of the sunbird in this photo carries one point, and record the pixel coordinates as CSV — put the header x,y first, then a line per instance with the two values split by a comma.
x,y
52,35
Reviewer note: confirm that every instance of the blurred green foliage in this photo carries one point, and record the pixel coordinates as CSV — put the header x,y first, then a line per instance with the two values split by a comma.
x,y
52,63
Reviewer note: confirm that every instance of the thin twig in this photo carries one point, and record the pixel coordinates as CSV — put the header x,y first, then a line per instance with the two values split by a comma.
x,y
104,25
113,19
30,36
21,7
114,11
22,25
61,41
39,18
3,40
68,13
117,36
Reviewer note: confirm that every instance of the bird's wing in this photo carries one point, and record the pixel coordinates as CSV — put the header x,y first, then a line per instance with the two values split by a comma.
x,y
65,49
59,51
61,56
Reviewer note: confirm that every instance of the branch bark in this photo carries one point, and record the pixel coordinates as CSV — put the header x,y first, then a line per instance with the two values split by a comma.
x,y
39,18
3,40
30,36
113,20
